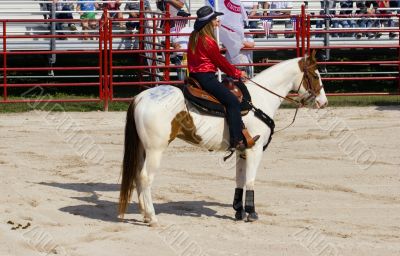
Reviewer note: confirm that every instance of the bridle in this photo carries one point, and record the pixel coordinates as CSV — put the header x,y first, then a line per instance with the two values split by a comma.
x,y
308,82
312,89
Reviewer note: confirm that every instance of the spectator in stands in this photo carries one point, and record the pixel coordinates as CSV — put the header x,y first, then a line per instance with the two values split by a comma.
x,y
251,10
180,42
396,5
113,11
174,7
64,11
279,8
45,7
133,9
347,9
327,8
389,20
87,9
244,56
367,8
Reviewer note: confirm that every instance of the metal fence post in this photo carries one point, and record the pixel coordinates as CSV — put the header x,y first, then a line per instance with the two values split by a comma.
x,y
101,67
105,59
4,60
327,24
167,23
398,59
303,29
142,23
53,46
308,34
110,60
298,35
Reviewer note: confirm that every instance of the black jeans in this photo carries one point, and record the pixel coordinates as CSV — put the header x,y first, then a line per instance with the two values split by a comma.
x,y
59,25
210,84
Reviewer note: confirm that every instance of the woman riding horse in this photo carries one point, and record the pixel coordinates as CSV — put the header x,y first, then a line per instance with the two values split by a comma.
x,y
203,60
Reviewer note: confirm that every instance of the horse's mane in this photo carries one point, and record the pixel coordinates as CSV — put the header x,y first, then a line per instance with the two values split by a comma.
x,y
278,65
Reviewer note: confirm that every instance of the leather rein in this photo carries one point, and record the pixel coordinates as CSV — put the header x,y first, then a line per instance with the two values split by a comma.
x,y
299,103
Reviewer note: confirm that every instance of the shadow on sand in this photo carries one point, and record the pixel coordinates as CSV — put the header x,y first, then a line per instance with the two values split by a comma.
x,y
388,108
107,210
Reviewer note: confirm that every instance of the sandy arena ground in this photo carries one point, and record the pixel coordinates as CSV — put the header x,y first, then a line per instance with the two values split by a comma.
x,y
329,185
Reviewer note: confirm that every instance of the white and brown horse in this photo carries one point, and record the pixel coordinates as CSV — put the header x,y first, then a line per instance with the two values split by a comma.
x,y
159,115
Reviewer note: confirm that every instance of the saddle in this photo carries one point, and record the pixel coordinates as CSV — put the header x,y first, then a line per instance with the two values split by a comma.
x,y
207,103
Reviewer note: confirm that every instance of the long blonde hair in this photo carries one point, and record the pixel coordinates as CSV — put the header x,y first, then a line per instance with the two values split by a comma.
x,y
207,30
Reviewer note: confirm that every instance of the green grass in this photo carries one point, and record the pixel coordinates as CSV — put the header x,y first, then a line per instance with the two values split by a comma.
x,y
334,101
344,101
70,106
357,101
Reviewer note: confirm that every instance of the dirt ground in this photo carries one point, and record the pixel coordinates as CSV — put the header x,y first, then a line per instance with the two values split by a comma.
x,y
329,185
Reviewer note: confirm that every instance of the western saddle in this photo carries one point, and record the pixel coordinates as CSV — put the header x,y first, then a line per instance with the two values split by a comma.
x,y
208,103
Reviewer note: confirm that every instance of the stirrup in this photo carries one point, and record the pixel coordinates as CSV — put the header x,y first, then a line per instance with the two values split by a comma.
x,y
230,153
239,146
243,152
250,141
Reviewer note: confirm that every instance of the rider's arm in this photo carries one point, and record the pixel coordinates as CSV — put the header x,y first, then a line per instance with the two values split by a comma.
x,y
218,60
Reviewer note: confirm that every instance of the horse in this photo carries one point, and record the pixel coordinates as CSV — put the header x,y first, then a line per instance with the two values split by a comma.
x,y
161,114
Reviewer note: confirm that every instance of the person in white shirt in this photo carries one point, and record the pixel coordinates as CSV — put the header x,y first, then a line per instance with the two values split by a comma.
x,y
244,56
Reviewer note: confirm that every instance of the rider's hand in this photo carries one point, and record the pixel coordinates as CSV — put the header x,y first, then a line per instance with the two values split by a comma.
x,y
243,75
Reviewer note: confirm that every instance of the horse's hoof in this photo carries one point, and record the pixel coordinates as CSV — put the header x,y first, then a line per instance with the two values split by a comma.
x,y
146,220
240,215
253,216
154,224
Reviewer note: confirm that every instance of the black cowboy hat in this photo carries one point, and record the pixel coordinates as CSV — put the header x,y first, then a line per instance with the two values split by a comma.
x,y
204,15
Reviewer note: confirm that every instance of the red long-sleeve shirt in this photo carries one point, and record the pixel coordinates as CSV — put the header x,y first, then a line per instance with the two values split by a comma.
x,y
207,58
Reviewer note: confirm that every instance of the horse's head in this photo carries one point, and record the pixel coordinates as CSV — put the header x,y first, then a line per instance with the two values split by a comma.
x,y
311,90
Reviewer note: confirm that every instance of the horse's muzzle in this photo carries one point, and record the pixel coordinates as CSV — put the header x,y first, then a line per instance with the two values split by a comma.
x,y
319,105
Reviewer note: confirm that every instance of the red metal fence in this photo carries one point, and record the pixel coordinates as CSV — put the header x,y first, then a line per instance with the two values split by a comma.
x,y
156,70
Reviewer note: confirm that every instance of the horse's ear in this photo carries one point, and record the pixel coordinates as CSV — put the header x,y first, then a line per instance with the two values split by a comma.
x,y
302,63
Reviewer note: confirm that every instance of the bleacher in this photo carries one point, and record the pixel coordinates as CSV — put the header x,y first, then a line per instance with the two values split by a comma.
x,y
30,10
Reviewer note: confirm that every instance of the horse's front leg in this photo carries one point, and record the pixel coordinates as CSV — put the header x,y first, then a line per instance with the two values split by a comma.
x,y
253,159
240,183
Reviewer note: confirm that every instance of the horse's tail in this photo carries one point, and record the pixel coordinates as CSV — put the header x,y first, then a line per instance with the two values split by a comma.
x,y
132,160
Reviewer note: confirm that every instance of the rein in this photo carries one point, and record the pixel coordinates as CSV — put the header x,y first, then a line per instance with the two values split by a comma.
x,y
299,104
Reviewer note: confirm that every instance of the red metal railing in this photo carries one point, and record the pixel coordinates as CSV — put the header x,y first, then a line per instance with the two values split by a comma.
x,y
6,69
105,53
4,60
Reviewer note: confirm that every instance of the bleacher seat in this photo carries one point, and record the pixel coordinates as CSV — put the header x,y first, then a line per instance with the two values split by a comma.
x,y
14,9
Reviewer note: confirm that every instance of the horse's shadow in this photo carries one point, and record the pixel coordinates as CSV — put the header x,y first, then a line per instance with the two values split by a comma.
x,y
107,211
388,108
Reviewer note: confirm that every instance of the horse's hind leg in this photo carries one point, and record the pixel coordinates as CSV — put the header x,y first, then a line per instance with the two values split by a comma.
x,y
144,182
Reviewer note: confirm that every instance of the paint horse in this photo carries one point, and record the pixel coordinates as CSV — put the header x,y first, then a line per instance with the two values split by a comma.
x,y
159,115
